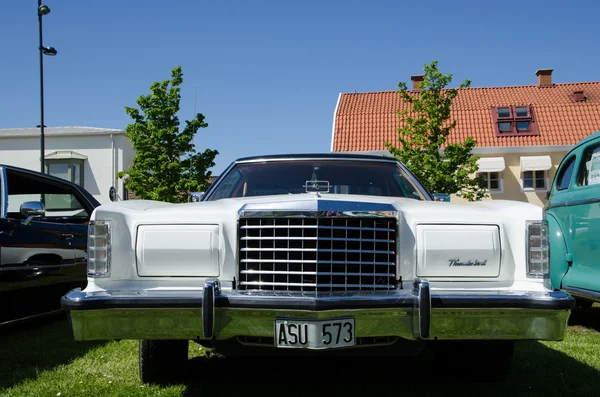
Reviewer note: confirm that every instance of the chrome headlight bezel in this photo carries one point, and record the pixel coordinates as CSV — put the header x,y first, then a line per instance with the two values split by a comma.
x,y
99,249
537,246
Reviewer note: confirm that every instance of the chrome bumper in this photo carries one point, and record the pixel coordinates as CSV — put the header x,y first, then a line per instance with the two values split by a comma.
x,y
418,314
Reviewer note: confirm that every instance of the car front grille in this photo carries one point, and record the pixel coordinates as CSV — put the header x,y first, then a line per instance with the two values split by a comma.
x,y
317,254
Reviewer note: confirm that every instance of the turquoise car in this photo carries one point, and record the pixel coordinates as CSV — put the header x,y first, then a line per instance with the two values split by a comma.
x,y
573,216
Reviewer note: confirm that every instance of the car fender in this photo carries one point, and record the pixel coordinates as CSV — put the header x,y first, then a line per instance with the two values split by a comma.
x,y
559,252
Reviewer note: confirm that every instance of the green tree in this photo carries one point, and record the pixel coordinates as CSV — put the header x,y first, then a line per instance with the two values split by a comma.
x,y
442,167
166,165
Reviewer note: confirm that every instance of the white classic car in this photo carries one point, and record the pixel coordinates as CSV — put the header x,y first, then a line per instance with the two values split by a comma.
x,y
307,253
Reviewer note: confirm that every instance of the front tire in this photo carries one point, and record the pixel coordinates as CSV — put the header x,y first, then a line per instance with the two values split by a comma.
x,y
584,304
475,361
161,360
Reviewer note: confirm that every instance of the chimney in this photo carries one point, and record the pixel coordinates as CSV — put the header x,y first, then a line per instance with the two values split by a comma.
x,y
578,96
416,80
544,77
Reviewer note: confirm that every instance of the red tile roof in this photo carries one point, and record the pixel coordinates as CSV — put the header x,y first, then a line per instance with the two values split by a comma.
x,y
365,121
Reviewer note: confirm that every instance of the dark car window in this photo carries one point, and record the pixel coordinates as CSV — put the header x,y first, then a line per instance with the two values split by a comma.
x,y
564,178
61,203
589,168
342,177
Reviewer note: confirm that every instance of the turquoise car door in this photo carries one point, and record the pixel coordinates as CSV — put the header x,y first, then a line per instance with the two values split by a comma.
x,y
560,220
583,213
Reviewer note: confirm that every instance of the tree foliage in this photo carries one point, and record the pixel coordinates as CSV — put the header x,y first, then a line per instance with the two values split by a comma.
x,y
442,167
166,164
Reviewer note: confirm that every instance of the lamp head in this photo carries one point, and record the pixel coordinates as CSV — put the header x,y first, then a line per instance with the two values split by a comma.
x,y
43,10
51,51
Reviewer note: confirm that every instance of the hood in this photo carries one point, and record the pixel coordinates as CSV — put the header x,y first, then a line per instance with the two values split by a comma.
x,y
487,211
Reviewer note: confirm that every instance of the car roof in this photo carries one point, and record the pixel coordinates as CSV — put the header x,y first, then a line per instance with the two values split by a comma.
x,y
88,195
585,140
300,156
32,172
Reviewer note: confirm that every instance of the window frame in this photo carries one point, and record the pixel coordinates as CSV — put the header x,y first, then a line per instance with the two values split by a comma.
x,y
513,119
534,189
583,164
19,182
500,189
71,163
570,162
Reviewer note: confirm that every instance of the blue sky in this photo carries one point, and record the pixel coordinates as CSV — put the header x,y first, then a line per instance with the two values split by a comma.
x,y
269,72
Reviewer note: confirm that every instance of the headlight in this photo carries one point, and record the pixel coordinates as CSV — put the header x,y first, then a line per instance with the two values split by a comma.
x,y
538,251
99,249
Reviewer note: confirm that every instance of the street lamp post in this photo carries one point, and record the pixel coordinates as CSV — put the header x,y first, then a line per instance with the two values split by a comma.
x,y
42,10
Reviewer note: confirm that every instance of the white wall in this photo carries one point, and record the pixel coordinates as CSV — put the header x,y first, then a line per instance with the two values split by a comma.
x,y
100,168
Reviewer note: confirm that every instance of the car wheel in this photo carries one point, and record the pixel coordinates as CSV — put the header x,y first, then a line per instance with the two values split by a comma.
x,y
161,360
475,361
585,304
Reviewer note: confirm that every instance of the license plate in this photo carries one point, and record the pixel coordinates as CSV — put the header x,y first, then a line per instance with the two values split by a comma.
x,y
314,334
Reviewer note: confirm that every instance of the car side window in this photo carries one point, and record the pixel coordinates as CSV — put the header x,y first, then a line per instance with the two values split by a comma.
x,y
589,168
564,178
61,203
227,185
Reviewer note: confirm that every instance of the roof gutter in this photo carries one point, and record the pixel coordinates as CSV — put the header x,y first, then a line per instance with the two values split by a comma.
x,y
62,134
334,119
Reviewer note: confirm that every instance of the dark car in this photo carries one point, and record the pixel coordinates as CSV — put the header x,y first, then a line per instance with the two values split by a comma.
x,y
43,241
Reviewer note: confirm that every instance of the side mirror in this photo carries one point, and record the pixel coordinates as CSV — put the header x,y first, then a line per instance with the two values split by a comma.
x,y
31,209
547,195
441,197
196,196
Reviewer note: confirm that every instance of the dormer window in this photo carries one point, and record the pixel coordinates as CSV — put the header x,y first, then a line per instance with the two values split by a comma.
x,y
514,121
504,113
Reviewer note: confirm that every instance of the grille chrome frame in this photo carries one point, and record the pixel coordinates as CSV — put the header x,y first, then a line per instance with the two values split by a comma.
x,y
318,250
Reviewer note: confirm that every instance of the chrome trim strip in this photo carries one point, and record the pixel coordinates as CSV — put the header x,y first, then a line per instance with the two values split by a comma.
x,y
573,202
447,298
38,267
316,157
321,261
528,259
422,315
211,289
327,212
314,250
277,223
315,227
368,240
314,273
176,314
345,285
583,293
3,193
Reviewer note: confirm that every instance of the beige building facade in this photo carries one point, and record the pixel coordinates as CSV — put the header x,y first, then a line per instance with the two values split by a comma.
x,y
522,132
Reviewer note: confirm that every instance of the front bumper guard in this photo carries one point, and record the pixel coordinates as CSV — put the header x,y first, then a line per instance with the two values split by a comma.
x,y
422,313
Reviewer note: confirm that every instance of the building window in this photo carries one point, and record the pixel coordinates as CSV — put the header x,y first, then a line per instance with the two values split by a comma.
x,y
534,180
66,164
70,170
514,121
492,181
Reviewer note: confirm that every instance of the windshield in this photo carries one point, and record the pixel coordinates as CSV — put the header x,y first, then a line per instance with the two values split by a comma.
x,y
325,176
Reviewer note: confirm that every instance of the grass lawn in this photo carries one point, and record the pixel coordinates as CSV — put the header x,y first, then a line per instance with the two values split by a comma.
x,y
42,359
